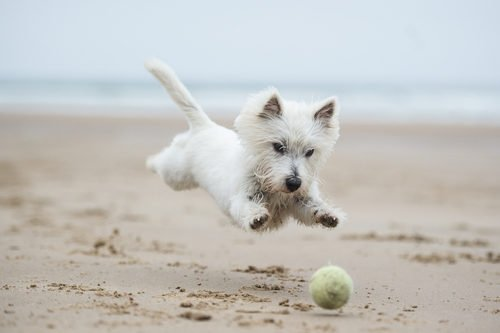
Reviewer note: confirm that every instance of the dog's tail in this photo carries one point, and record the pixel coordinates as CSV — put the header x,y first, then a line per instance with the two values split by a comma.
x,y
178,92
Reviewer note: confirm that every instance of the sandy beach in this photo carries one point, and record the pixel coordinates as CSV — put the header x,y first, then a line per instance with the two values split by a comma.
x,y
91,241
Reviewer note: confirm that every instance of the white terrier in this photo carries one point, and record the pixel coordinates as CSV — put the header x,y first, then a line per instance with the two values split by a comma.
x,y
265,174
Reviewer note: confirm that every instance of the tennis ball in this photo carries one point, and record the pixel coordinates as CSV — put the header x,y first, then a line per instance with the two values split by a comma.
x,y
330,287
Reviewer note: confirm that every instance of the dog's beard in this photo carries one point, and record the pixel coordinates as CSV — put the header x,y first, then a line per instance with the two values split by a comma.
x,y
263,174
271,178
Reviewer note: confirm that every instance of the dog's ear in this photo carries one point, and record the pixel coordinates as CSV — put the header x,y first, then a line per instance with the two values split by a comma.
x,y
327,110
272,108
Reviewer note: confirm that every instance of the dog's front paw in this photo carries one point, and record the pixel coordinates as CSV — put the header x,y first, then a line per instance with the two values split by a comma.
x,y
249,215
258,222
329,219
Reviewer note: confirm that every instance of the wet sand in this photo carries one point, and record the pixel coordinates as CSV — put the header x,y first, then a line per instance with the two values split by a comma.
x,y
92,241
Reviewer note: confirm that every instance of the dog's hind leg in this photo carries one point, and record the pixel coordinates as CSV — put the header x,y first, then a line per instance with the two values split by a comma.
x,y
171,164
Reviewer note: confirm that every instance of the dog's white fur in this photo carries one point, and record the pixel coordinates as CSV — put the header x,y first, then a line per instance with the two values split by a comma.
x,y
246,171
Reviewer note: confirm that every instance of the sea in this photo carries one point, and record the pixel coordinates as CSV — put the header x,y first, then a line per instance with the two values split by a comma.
x,y
456,104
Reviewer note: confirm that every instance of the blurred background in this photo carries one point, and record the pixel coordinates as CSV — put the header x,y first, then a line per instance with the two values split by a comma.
x,y
93,242
389,61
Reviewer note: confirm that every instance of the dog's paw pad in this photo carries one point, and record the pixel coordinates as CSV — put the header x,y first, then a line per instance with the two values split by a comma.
x,y
259,222
328,220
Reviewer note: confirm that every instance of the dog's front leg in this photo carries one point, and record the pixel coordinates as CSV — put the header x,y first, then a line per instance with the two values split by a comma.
x,y
312,210
249,211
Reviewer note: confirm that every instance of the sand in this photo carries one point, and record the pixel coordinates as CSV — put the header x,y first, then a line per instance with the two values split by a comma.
x,y
92,241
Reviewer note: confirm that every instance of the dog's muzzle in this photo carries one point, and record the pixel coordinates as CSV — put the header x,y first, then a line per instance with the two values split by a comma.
x,y
293,183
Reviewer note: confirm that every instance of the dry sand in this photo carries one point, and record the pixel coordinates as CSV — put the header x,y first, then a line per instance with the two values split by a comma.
x,y
91,241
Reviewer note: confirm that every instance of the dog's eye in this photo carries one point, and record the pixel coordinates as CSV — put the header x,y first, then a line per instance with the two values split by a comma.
x,y
279,147
309,152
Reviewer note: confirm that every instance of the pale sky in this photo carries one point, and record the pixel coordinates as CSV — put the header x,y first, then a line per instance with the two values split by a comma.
x,y
393,41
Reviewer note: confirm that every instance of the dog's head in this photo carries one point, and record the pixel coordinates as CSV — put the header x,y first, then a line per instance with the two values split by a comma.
x,y
287,141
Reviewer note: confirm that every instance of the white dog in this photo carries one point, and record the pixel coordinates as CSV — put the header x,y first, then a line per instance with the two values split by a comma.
x,y
265,174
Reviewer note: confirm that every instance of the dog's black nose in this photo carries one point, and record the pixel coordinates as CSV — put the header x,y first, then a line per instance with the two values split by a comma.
x,y
293,183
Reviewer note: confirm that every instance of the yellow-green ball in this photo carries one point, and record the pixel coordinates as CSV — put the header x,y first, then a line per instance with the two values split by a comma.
x,y
330,287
